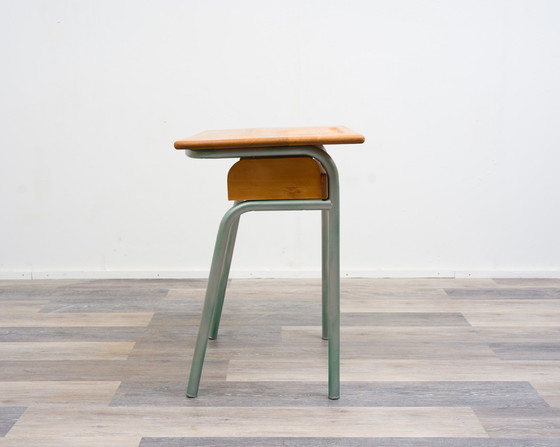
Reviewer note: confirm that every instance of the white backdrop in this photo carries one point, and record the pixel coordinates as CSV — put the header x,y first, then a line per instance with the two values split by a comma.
x,y
459,101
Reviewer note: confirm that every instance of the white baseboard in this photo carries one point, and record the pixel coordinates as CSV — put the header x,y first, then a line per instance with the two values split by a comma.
x,y
192,274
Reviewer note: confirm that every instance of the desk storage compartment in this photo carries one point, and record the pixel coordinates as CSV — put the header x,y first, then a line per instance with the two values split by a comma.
x,y
277,178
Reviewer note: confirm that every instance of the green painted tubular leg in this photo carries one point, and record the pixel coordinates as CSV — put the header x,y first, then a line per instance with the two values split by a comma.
x,y
331,224
216,272
222,282
333,306
325,270
221,258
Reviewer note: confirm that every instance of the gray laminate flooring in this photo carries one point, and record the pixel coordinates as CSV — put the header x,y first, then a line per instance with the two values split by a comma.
x,y
424,363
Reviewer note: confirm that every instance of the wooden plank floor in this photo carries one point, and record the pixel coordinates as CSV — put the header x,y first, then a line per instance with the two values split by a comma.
x,y
425,363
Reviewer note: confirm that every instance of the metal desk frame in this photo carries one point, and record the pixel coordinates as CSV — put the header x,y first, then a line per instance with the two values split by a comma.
x,y
225,241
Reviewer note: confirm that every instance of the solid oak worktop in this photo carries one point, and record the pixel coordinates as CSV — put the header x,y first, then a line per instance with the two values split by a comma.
x,y
270,137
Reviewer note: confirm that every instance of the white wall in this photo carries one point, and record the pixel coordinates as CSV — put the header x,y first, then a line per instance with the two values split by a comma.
x,y
459,101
